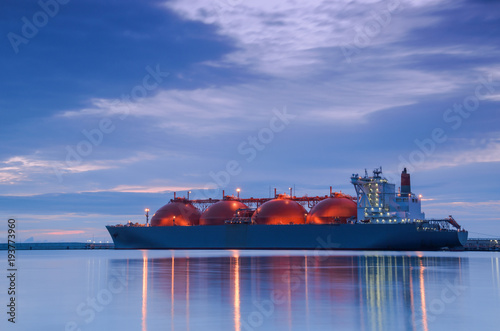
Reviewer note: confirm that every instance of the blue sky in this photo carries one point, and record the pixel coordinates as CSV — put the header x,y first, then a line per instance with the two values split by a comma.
x,y
107,108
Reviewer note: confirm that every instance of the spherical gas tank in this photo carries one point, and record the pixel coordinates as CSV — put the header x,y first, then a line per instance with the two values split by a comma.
x,y
176,213
220,211
280,211
332,210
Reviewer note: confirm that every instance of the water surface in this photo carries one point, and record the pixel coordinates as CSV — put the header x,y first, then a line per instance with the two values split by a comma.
x,y
256,290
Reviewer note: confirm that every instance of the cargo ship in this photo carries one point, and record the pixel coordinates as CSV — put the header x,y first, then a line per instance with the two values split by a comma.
x,y
377,218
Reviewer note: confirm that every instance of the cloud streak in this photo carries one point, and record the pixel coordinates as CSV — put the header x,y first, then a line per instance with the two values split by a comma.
x,y
286,37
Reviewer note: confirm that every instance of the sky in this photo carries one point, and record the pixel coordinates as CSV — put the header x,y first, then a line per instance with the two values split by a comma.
x,y
107,108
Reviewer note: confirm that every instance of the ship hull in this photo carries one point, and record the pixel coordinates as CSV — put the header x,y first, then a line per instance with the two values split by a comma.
x,y
303,236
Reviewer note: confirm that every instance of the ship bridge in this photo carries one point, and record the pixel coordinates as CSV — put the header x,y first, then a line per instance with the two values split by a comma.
x,y
379,203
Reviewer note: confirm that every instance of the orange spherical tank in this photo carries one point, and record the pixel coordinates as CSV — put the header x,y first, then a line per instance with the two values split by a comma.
x,y
183,213
332,210
221,211
280,211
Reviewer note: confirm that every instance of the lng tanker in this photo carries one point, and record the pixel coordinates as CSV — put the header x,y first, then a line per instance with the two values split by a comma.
x,y
377,218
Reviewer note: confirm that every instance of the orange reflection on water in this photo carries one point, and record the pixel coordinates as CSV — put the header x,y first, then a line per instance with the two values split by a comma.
x,y
422,296
172,292
144,289
306,288
236,287
294,291
412,300
187,294
289,298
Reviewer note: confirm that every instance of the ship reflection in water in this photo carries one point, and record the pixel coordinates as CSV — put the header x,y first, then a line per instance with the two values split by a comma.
x,y
245,290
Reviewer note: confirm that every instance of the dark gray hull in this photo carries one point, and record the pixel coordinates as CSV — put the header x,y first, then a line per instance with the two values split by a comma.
x,y
306,236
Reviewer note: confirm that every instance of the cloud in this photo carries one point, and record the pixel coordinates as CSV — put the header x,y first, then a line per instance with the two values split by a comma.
x,y
467,151
64,235
61,232
36,169
93,49
298,45
150,189
22,168
288,38
467,204
215,110
492,203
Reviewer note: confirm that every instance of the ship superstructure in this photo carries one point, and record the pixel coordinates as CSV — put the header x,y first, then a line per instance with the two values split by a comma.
x,y
378,201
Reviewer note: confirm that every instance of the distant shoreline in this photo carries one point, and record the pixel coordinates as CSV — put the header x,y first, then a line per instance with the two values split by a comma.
x,y
59,246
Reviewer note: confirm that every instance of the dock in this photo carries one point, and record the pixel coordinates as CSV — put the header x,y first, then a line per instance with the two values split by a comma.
x,y
483,244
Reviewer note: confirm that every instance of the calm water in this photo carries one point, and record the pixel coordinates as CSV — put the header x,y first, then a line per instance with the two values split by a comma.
x,y
255,290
